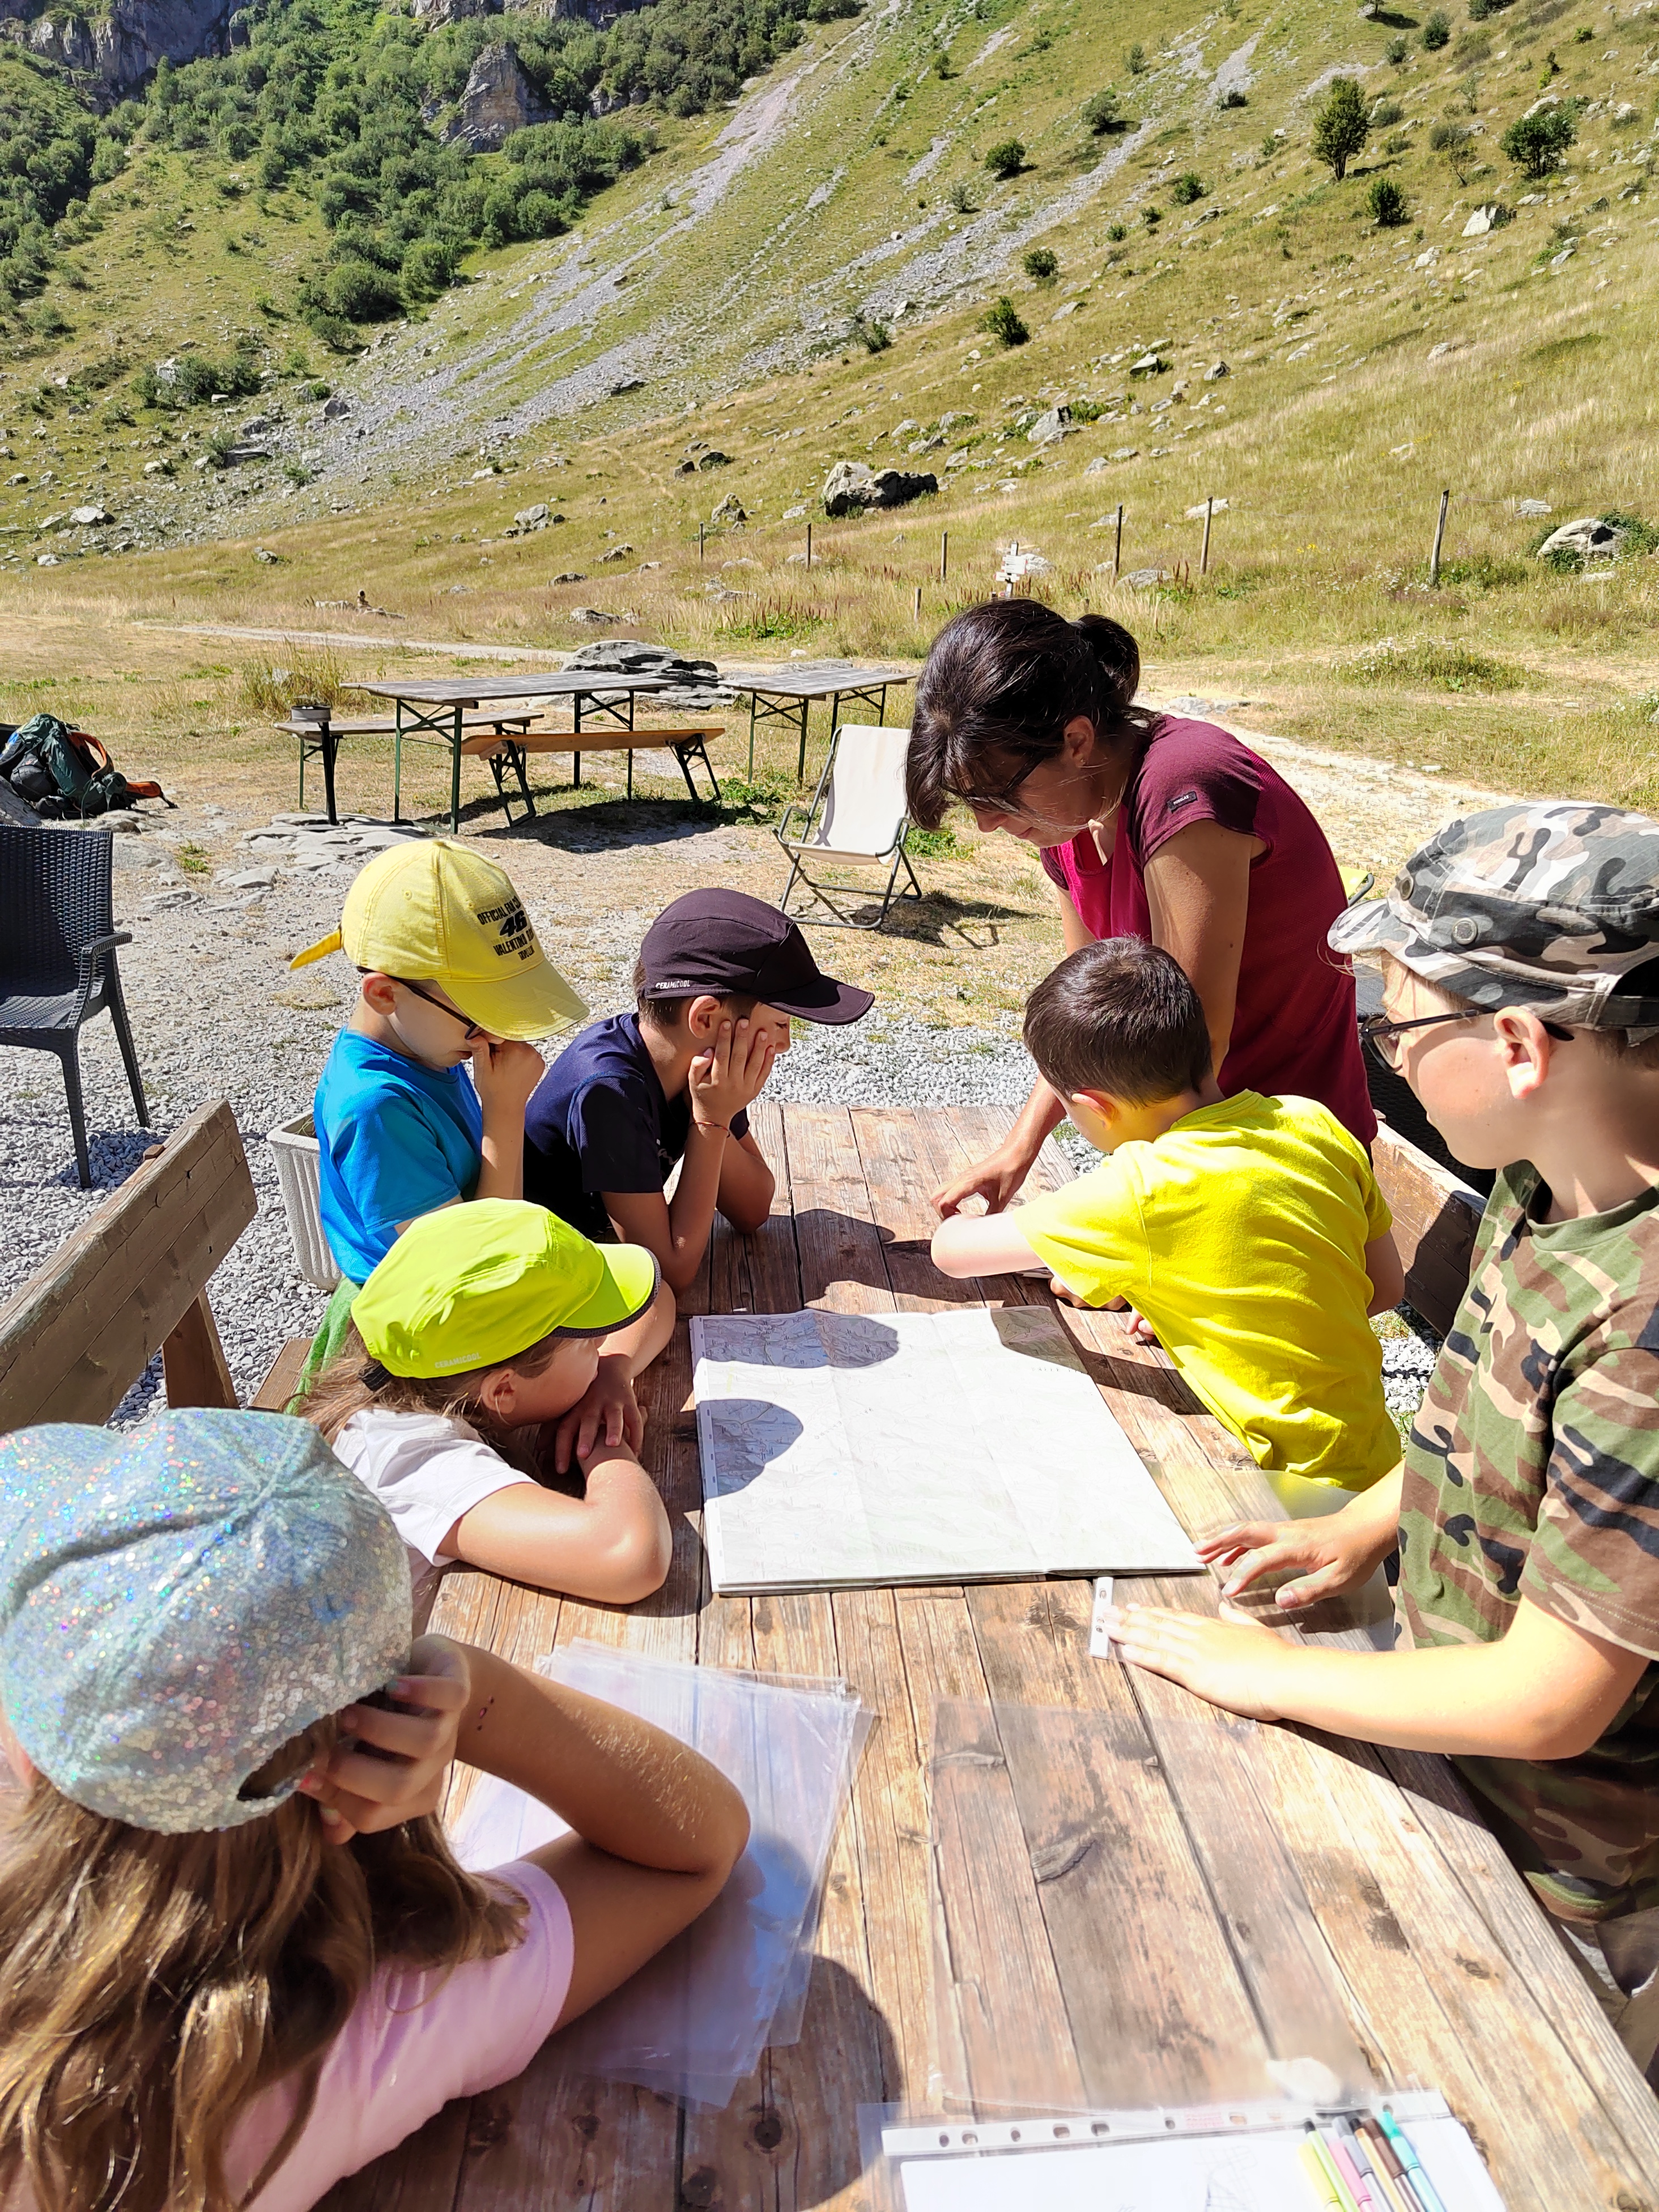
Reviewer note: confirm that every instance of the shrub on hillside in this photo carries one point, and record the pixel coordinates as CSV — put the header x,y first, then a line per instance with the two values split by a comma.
x,y
1452,139
1187,188
961,197
1104,112
1437,31
1134,59
1117,232
1386,110
192,379
1042,262
1006,158
833,11
1341,127
1537,143
1387,203
1395,50
1003,321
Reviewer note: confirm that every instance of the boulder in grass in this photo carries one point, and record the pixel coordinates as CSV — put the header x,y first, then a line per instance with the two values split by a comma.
x,y
1588,536
90,518
535,517
728,515
853,486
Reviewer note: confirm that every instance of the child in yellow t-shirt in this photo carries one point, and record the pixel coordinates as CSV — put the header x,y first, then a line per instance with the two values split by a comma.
x,y
1249,1231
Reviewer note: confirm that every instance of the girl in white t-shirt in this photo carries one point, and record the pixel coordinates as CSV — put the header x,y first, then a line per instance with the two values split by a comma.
x,y
492,1355
237,1960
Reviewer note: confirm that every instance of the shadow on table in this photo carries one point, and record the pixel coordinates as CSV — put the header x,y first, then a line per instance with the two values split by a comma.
x,y
550,2138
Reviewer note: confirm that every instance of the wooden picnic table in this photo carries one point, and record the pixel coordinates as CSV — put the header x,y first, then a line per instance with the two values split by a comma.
x,y
433,711
786,695
1193,1891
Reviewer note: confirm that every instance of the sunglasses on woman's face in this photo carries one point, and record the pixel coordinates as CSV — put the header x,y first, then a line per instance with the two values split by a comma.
x,y
470,1027
1005,801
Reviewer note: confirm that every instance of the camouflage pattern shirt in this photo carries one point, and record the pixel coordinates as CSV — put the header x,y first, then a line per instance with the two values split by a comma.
x,y
1533,1471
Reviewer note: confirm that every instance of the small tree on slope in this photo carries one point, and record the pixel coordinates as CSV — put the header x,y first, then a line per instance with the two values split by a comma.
x,y
1341,127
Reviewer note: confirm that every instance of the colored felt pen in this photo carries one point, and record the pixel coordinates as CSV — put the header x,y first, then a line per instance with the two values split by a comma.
x,y
1319,2179
1389,2165
1428,2196
1382,2195
1343,2159
1344,2195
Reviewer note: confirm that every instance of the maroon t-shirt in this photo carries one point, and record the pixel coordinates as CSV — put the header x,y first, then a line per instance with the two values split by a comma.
x,y
1294,1029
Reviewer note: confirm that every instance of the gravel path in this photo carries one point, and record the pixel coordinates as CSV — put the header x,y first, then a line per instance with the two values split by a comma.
x,y
217,1013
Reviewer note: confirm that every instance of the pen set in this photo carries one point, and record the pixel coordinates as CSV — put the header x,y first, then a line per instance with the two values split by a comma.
x,y
1365,2162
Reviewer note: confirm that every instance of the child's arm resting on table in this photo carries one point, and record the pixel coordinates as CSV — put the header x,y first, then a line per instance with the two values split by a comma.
x,y
609,1413
613,1546
966,1245
1545,1691
656,1830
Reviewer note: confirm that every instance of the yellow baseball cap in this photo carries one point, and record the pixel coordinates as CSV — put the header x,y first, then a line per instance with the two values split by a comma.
x,y
474,1285
435,911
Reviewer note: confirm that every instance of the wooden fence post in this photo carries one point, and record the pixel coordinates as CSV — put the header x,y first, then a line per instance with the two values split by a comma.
x,y
699,545
1204,557
1439,540
808,545
1117,544
918,602
944,554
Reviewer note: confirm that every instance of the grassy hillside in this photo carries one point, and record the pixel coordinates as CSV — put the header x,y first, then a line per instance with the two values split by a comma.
x,y
805,277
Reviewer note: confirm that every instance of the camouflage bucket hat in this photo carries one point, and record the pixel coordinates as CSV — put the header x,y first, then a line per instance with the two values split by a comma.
x,y
1553,906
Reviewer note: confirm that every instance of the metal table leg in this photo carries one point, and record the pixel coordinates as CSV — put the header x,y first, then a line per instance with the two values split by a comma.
x,y
330,746
455,776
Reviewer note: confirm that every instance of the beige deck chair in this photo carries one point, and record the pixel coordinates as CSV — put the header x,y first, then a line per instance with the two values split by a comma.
x,y
856,818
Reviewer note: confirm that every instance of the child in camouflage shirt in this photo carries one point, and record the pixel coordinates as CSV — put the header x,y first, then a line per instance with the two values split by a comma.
x,y
1521,952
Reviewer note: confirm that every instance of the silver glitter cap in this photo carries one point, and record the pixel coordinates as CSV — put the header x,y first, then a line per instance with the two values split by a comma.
x,y
177,1601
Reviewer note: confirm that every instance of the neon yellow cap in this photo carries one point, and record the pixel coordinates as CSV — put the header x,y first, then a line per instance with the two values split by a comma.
x,y
435,911
474,1285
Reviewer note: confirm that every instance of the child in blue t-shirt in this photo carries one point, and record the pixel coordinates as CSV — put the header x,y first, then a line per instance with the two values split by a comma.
x,y
420,1102
720,976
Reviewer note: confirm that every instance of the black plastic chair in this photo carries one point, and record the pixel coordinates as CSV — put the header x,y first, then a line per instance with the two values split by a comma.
x,y
57,940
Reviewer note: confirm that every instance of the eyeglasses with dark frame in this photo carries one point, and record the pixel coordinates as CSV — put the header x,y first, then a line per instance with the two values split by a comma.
x,y
1379,1029
1005,801
473,1031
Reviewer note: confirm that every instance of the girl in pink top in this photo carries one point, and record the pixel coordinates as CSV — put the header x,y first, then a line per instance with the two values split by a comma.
x,y
1148,826
237,1960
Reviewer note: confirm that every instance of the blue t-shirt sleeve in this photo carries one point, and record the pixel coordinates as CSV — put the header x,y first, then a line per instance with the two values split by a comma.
x,y
391,1166
611,1130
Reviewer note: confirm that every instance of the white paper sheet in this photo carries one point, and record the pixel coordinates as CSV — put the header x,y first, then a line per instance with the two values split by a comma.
x,y
847,1449
1245,2172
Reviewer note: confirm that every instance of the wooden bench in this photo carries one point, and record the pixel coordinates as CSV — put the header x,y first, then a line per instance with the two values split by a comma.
x,y
1434,1220
687,741
132,1281
319,737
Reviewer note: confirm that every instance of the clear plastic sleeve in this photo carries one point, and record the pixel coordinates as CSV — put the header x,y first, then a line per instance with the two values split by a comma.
x,y
695,2021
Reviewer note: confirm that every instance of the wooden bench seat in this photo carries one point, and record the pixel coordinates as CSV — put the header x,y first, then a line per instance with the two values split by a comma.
x,y
319,737
1434,1220
687,741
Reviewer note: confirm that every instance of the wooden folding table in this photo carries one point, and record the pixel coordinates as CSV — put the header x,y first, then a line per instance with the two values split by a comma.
x,y
1198,1893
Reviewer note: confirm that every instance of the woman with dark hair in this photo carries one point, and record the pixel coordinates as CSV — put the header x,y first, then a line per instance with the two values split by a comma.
x,y
1148,825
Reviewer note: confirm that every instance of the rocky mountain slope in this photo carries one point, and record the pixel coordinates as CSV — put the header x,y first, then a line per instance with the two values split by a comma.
x,y
837,234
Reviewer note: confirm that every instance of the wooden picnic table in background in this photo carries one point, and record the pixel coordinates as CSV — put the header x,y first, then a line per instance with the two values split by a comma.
x,y
1127,1925
786,695
433,711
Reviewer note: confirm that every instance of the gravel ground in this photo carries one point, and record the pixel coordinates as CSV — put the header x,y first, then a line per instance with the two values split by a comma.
x,y
217,1013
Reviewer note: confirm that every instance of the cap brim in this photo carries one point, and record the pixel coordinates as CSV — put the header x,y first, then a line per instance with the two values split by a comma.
x,y
624,1290
1371,926
826,1000
532,1004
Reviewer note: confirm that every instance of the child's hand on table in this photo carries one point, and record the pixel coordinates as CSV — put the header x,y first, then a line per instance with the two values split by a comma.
x,y
1242,1667
731,1074
505,1072
1337,1552
389,1767
607,1413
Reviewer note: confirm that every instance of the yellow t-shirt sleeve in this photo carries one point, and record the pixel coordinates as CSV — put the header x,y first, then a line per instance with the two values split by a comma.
x,y
1090,1233
1377,1215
